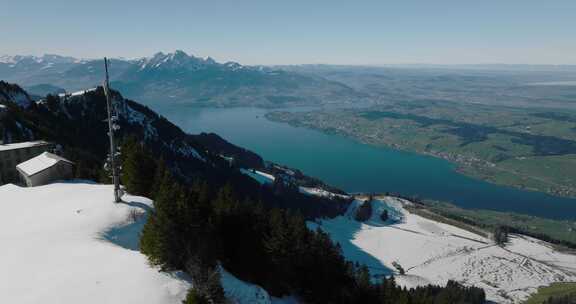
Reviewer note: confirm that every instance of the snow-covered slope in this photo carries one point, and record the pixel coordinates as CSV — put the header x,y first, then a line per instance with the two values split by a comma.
x,y
321,192
89,105
433,252
259,176
68,243
240,292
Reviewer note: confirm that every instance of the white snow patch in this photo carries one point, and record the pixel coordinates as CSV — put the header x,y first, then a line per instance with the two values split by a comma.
x,y
77,93
55,248
241,292
22,145
321,192
433,252
266,175
261,177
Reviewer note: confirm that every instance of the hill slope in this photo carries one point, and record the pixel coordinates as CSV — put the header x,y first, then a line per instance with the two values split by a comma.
x,y
68,243
433,253
77,122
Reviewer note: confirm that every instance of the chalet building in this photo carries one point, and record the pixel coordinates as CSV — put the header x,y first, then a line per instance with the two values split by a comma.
x,y
13,154
44,169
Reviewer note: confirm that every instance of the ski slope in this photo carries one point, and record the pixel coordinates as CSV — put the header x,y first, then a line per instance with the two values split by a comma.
x,y
433,252
68,243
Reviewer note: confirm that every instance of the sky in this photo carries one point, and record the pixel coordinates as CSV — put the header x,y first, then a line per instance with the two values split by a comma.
x,y
297,31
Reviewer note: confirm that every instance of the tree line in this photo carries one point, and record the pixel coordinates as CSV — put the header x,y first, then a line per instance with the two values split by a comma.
x,y
198,227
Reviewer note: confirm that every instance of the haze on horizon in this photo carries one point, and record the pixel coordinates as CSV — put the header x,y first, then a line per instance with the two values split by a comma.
x,y
298,32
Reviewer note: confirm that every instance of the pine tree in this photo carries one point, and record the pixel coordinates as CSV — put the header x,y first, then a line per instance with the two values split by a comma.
x,y
384,215
501,235
364,212
137,168
193,297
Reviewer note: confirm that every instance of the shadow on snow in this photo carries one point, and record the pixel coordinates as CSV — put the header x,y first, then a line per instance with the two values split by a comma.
x,y
128,235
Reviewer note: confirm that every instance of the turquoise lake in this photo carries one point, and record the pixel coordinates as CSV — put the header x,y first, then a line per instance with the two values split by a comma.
x,y
357,167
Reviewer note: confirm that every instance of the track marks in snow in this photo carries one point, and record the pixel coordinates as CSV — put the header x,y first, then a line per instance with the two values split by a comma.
x,y
434,252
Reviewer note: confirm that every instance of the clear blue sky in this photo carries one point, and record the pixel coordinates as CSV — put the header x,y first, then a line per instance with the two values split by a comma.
x,y
297,31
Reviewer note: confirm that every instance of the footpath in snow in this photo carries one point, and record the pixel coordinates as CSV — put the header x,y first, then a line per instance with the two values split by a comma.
x,y
68,243
433,252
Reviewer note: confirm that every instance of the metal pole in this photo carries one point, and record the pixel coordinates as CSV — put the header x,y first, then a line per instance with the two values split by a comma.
x,y
115,176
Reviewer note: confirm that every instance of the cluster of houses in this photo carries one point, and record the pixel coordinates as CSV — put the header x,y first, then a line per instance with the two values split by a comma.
x,y
32,163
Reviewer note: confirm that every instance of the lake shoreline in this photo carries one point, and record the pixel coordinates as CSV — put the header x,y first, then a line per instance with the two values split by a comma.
x,y
463,165
357,167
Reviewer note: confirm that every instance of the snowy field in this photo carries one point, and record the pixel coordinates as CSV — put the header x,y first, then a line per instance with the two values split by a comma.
x,y
68,243
433,252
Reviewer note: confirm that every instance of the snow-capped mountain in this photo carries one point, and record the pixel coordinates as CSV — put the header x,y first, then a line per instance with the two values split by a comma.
x,y
47,59
179,77
177,60
34,70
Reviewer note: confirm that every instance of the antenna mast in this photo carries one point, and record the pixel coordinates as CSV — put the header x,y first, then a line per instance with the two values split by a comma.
x,y
112,118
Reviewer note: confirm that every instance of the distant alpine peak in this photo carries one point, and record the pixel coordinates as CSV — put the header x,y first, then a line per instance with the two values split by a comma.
x,y
182,60
177,60
44,59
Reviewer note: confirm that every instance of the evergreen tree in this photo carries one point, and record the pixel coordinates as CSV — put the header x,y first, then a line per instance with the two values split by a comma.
x,y
501,235
364,212
193,297
384,215
198,228
137,168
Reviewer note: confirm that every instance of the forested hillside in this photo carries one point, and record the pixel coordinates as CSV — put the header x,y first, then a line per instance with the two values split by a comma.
x,y
78,124
208,213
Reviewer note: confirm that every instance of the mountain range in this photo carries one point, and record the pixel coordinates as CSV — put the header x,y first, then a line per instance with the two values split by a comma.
x,y
176,77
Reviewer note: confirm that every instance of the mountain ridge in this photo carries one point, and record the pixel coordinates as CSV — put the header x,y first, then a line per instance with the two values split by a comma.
x,y
77,123
180,78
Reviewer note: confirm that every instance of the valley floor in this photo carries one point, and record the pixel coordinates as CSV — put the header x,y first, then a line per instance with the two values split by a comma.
x,y
433,252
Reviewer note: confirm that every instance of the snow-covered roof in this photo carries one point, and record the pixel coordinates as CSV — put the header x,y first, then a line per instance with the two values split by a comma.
x,y
22,145
40,163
